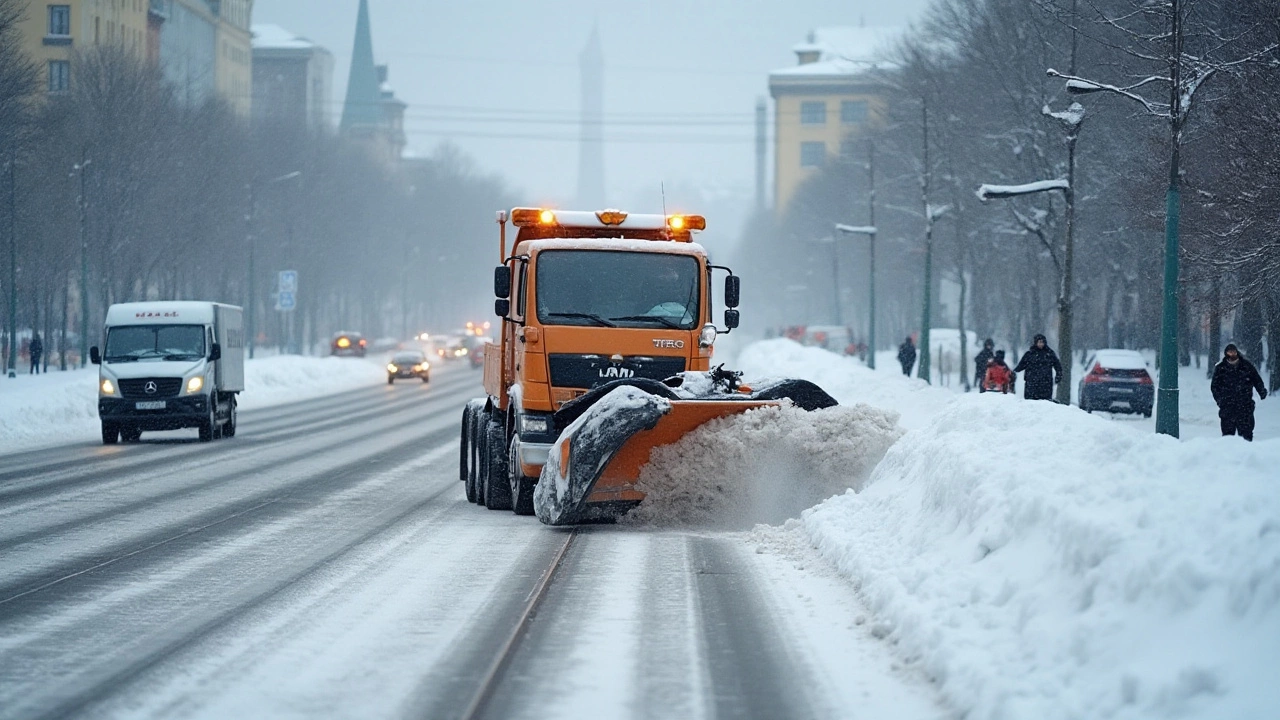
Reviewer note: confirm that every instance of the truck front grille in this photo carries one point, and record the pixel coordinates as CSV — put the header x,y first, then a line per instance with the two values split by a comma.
x,y
163,388
588,371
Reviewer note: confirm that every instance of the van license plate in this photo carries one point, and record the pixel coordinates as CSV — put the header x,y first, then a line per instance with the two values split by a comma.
x,y
151,405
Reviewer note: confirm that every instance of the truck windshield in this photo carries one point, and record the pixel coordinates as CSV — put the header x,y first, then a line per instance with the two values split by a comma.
x,y
617,289
155,342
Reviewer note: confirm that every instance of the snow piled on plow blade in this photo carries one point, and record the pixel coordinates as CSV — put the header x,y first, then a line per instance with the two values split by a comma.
x,y
762,466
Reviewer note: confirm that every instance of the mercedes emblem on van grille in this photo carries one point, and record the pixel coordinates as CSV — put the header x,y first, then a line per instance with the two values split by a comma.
x,y
150,387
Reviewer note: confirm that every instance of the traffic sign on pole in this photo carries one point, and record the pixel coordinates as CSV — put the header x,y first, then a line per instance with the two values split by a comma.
x,y
286,301
288,281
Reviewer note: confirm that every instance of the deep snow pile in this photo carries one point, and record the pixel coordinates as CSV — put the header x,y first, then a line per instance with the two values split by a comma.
x,y
63,406
1038,561
764,465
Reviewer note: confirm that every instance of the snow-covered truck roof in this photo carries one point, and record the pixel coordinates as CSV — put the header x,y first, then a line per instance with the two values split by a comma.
x,y
174,312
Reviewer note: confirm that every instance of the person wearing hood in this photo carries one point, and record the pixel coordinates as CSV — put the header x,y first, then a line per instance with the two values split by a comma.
x,y
998,378
1234,380
1042,370
907,355
980,362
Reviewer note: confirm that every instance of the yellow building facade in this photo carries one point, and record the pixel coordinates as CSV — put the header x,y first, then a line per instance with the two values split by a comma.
x,y
824,102
53,31
234,66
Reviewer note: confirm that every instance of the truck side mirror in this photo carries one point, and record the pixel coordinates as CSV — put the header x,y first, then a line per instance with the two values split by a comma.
x,y
731,318
502,307
732,291
502,282
94,356
215,353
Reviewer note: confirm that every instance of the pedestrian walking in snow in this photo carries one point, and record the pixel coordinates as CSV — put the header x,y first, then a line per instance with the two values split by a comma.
x,y
980,363
998,377
1041,370
1234,380
36,349
907,356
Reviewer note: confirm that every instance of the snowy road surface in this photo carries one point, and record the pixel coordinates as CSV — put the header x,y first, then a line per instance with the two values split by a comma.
x,y
324,563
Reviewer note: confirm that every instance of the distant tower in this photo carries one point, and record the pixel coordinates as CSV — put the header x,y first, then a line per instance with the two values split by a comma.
x,y
591,195
762,145
362,112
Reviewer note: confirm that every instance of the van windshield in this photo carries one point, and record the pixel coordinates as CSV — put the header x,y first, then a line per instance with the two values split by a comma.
x,y
618,289
155,342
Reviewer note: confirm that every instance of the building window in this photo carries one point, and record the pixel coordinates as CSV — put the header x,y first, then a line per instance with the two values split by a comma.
x,y
60,20
813,112
813,154
59,76
853,112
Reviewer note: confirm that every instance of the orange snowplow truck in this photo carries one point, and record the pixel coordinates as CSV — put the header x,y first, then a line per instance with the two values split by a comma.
x,y
604,353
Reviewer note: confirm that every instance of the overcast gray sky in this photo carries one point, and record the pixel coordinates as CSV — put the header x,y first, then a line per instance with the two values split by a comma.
x,y
500,80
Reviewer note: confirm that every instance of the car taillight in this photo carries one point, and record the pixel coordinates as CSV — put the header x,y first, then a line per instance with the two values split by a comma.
x,y
1145,379
1097,374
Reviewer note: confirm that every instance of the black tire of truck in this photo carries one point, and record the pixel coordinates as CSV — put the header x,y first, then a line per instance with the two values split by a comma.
x,y
130,435
229,427
465,473
493,466
208,427
521,484
110,434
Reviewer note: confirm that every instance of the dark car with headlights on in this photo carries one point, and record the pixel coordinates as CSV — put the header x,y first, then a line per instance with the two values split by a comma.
x,y
1117,381
408,364
348,343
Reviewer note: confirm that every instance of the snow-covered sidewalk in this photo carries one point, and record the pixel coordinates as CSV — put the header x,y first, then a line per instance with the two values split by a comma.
x,y
59,407
1038,561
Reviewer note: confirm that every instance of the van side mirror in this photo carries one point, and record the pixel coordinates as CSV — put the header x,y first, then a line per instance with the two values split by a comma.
x,y
215,353
731,318
94,356
502,307
732,291
502,282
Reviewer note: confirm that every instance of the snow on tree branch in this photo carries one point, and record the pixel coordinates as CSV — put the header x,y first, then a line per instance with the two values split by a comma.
x,y
989,192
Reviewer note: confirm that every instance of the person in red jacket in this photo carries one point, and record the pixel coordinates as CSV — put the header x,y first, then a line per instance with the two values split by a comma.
x,y
999,377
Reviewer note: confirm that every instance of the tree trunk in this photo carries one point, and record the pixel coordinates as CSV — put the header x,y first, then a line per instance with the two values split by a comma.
x,y
1215,326
1249,326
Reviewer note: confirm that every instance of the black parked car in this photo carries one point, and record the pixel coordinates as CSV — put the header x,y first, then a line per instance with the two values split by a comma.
x,y
1117,381
408,364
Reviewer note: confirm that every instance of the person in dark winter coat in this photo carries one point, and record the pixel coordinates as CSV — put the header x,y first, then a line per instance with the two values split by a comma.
x,y
907,356
36,349
980,362
1042,370
1234,380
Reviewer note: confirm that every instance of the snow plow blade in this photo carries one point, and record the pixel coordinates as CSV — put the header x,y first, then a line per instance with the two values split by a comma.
x,y
608,434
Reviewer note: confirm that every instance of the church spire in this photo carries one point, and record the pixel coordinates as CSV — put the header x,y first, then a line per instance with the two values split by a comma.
x,y
362,112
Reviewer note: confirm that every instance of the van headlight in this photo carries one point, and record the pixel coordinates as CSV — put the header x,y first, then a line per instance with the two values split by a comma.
x,y
106,387
195,384
392,368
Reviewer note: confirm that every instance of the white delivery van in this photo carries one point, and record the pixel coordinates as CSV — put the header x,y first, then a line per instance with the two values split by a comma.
x,y
170,365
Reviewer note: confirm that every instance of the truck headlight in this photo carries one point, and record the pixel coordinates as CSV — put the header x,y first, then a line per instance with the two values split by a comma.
x,y
534,425
195,385
106,387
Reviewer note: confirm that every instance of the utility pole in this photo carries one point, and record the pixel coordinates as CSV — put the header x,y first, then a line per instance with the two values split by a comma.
x,y
871,221
83,202
925,174
13,264
252,323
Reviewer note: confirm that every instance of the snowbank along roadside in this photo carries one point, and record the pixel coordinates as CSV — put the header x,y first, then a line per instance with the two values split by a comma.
x,y
1037,561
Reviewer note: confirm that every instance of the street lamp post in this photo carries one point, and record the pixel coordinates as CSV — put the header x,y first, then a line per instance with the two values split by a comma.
x,y
13,264
83,206
870,232
249,220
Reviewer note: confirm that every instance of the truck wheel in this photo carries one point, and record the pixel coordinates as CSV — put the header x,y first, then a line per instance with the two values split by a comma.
x,y
425,379
130,435
208,426
229,429
465,453
391,379
521,484
474,476
110,434
493,467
